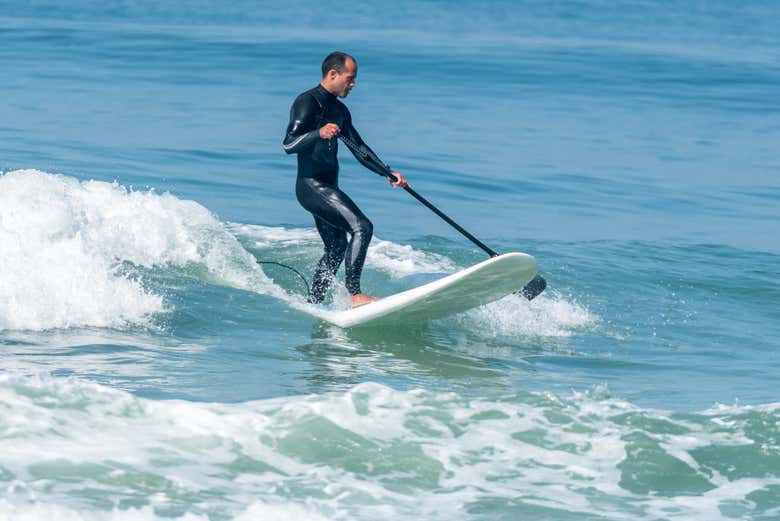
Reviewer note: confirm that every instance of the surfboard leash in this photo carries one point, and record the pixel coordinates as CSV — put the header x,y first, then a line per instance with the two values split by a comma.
x,y
305,282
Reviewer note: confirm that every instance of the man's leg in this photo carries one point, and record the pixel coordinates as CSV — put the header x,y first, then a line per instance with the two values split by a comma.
x,y
361,232
333,207
342,213
335,242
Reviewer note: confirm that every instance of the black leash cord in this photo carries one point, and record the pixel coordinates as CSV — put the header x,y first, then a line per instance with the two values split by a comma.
x,y
305,282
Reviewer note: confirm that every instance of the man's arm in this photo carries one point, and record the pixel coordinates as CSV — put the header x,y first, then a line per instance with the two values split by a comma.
x,y
360,150
301,132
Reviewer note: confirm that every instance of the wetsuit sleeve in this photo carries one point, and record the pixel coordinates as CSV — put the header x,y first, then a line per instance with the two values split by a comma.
x,y
360,150
302,131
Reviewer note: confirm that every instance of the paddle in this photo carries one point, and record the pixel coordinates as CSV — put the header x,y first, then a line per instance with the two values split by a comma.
x,y
530,291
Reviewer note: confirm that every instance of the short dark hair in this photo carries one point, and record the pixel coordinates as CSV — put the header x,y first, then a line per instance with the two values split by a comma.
x,y
335,60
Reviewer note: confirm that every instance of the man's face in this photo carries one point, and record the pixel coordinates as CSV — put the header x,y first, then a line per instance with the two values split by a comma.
x,y
345,81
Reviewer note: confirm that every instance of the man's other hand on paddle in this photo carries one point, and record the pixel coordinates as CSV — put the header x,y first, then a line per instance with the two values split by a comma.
x,y
400,180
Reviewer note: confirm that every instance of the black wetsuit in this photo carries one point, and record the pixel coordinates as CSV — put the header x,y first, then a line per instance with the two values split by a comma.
x,y
335,214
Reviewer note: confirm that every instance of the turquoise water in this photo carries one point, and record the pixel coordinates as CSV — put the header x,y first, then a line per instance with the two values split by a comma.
x,y
150,369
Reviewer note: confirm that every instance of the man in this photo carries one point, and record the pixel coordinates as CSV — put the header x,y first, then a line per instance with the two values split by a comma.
x,y
317,118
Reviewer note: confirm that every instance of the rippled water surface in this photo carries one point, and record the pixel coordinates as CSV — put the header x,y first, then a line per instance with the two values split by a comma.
x,y
151,369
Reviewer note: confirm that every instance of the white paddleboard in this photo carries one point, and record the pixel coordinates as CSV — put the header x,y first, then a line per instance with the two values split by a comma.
x,y
474,286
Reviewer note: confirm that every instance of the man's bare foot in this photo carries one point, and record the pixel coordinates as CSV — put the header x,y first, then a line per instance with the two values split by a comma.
x,y
362,299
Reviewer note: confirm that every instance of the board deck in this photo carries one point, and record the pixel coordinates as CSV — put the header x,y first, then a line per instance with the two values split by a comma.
x,y
474,286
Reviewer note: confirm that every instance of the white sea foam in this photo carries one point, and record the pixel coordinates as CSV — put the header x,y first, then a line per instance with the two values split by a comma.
x,y
548,315
277,511
399,260
26,511
64,242
396,260
371,452
275,236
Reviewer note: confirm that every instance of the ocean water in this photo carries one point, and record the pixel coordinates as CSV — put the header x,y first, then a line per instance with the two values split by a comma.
x,y
150,369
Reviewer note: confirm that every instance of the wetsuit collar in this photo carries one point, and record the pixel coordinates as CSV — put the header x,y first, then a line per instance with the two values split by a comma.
x,y
322,90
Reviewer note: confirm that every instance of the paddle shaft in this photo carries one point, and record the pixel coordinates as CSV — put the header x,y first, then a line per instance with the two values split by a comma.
x,y
446,218
530,291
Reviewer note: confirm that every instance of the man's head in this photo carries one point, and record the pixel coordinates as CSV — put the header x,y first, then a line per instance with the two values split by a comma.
x,y
339,71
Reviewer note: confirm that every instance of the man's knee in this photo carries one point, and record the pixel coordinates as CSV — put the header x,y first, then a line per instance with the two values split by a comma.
x,y
365,228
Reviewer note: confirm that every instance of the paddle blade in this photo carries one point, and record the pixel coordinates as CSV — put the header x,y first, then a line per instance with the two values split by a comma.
x,y
534,288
